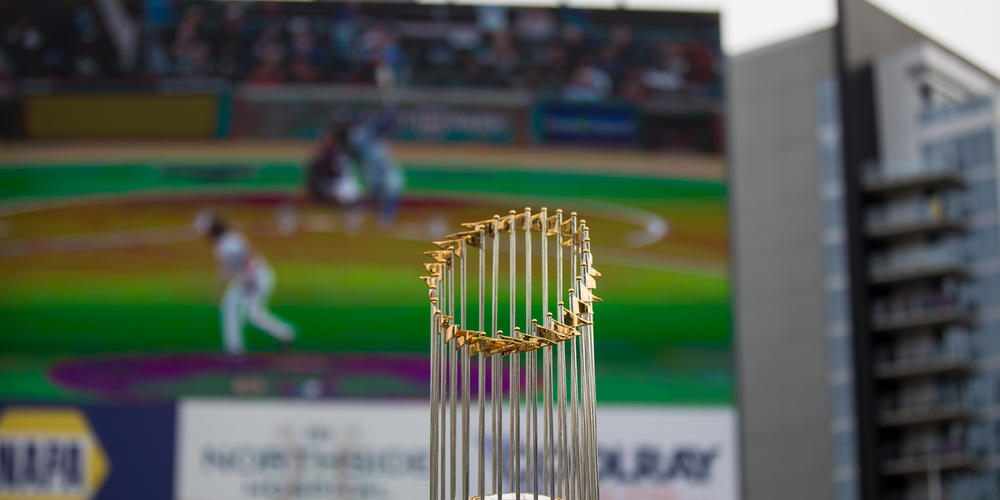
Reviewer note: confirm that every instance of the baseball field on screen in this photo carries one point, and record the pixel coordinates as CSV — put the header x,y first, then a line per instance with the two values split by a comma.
x,y
106,293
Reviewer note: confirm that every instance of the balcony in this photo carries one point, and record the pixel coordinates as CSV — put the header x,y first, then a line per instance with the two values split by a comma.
x,y
924,365
906,229
915,261
969,107
930,317
924,463
921,493
927,413
887,178
928,270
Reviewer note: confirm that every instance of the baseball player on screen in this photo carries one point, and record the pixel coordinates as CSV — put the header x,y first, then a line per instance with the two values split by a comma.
x,y
369,142
329,176
249,284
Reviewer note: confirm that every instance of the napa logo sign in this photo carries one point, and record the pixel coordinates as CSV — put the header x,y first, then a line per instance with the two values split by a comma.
x,y
49,454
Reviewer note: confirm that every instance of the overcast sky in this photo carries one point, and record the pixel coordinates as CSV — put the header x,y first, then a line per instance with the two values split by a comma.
x,y
969,27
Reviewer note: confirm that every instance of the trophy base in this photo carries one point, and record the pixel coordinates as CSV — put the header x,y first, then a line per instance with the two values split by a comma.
x,y
514,496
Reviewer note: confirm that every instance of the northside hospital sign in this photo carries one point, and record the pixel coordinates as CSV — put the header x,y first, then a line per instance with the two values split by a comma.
x,y
253,450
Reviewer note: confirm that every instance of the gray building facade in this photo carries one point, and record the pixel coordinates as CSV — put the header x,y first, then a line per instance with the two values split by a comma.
x,y
779,266
863,169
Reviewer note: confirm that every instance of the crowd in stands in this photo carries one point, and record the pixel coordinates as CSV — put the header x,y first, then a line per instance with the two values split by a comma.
x,y
53,39
575,54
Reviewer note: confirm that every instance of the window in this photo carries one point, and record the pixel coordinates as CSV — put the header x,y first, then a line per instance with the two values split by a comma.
x,y
836,306
985,243
831,161
840,355
966,151
843,404
983,196
833,213
987,151
836,261
844,450
846,490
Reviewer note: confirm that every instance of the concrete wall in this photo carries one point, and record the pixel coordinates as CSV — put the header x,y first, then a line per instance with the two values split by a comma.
x,y
870,31
779,269
898,96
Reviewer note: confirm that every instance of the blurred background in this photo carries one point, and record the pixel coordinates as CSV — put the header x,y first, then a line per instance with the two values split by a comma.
x,y
794,207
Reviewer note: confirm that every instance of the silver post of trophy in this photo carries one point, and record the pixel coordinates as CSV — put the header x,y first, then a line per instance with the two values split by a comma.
x,y
540,374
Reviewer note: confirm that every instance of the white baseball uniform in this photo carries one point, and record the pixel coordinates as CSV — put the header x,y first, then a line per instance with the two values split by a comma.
x,y
247,293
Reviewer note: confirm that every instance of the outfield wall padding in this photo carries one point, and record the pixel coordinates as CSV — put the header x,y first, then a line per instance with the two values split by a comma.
x,y
121,115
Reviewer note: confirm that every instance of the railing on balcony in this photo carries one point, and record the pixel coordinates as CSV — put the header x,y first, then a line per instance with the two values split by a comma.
x,y
972,105
921,463
938,361
922,318
969,485
907,228
890,176
916,262
925,213
937,409
931,269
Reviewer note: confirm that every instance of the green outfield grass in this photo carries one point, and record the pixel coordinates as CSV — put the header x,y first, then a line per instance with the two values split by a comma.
x,y
96,261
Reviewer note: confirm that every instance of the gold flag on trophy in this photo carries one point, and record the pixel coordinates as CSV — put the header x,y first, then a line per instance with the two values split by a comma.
x,y
516,375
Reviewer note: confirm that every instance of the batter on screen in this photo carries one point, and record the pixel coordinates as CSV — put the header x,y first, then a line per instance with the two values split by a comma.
x,y
249,284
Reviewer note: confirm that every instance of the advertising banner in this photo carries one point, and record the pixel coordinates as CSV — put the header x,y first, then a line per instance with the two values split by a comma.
x,y
261,116
285,450
585,123
86,453
431,123
667,453
378,450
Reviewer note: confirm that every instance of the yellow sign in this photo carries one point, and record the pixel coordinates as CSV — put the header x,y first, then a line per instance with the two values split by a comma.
x,y
120,115
49,454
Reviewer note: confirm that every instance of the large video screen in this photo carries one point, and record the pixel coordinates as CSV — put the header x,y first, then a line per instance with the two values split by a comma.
x,y
269,246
